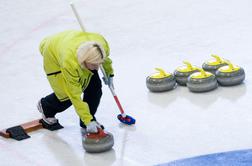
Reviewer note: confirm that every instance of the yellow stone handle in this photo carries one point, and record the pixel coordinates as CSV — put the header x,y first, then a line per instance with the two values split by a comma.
x,y
162,72
188,64
218,59
203,72
230,65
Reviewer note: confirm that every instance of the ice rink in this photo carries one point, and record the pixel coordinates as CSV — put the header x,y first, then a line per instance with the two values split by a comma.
x,y
170,126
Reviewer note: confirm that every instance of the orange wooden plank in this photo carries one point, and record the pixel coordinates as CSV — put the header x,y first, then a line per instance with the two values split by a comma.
x,y
28,127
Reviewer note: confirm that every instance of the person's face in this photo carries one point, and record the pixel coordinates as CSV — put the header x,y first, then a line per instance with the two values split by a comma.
x,y
92,66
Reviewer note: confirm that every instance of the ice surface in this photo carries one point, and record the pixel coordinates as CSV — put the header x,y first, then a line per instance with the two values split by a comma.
x,y
142,35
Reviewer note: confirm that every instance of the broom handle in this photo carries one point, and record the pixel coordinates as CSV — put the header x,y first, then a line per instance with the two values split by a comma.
x,y
101,67
113,92
77,16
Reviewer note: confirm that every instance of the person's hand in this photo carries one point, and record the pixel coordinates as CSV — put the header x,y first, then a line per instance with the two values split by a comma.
x,y
109,81
93,126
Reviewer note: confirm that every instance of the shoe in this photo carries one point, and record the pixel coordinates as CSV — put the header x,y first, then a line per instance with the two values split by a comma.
x,y
49,120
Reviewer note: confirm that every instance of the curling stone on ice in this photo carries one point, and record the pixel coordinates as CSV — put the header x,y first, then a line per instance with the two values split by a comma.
x,y
202,81
97,142
230,75
160,81
183,72
213,64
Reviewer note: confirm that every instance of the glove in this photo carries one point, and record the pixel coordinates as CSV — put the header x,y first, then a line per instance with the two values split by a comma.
x,y
93,126
109,81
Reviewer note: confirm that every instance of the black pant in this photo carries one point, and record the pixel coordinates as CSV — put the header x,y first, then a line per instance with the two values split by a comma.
x,y
92,95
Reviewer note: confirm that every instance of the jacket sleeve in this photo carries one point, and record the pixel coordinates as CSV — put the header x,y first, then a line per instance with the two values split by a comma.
x,y
107,65
73,89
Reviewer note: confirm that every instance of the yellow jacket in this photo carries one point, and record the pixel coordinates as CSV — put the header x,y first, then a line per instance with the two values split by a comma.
x,y
64,73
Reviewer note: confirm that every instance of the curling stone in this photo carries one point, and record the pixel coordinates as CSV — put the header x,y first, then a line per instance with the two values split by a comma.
x,y
213,64
97,142
160,81
202,81
183,72
230,75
